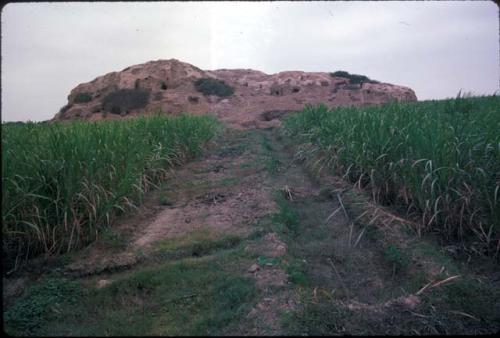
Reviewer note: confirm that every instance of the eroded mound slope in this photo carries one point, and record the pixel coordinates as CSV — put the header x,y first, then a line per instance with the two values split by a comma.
x,y
243,98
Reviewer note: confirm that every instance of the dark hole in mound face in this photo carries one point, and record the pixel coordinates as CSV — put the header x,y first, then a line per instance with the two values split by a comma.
x,y
273,114
193,99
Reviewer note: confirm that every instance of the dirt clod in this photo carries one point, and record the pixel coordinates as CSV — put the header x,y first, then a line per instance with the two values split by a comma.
x,y
103,283
253,268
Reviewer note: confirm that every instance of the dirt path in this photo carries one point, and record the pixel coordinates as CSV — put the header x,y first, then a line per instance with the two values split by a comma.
x,y
246,242
225,194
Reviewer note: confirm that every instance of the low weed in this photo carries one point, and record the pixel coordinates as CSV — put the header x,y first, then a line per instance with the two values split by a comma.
x,y
228,181
266,145
316,320
269,261
471,297
195,244
164,200
396,258
286,220
113,238
296,271
428,252
273,165
230,298
39,303
185,298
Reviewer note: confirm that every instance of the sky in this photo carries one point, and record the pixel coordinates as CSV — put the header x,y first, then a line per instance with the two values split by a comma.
x,y
437,48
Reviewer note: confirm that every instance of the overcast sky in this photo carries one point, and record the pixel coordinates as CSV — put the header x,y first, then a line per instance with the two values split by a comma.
x,y
434,47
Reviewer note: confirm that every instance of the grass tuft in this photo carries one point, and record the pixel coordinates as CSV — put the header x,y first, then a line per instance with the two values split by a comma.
x,y
40,303
286,220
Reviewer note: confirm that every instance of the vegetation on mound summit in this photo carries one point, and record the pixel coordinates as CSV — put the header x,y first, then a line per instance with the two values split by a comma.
x,y
123,100
353,78
209,86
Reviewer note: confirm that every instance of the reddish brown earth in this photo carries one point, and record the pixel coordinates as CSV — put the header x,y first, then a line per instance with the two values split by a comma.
x,y
258,101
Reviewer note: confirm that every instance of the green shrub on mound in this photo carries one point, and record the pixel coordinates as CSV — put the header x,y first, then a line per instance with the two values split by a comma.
x,y
82,98
209,86
353,78
124,100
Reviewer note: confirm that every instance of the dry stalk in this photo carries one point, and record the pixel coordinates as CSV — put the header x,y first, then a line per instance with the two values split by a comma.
x,y
424,288
394,217
342,206
359,237
338,275
315,298
465,315
288,193
445,281
351,225
433,284
331,215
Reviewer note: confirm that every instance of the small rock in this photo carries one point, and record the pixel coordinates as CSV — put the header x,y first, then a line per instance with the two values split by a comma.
x,y
281,249
102,283
411,301
252,313
261,306
253,268
213,98
273,237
